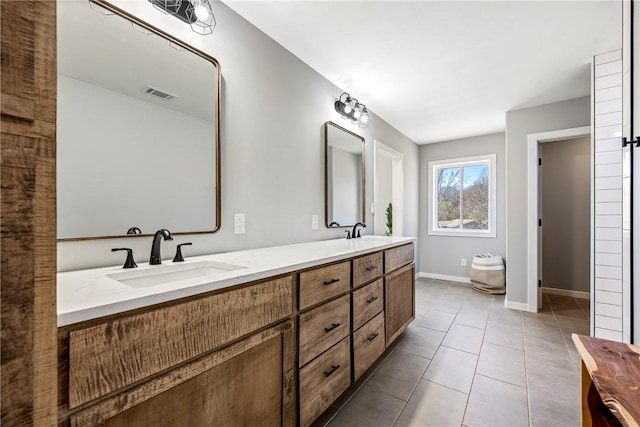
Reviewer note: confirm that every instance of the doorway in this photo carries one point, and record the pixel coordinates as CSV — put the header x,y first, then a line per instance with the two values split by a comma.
x,y
564,202
534,231
387,189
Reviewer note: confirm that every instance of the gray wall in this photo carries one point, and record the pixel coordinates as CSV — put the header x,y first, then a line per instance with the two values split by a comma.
x,y
441,254
273,110
566,213
520,123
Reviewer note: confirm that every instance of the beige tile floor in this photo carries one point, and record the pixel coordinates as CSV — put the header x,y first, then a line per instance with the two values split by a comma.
x,y
468,361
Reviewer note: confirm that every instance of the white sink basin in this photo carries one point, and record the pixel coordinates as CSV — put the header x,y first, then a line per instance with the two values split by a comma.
x,y
162,275
376,238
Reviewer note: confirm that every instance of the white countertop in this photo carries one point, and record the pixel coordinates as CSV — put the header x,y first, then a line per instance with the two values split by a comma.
x,y
89,294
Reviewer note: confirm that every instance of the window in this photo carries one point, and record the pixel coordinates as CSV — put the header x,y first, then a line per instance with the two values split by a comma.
x,y
462,197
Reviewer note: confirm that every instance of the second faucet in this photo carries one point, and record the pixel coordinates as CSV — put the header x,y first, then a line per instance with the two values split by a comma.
x,y
156,258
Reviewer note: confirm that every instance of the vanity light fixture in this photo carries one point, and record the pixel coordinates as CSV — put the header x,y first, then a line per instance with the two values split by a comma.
x,y
197,13
352,110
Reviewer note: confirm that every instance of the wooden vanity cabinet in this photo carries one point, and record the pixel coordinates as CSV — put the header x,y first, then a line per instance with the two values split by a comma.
x,y
195,361
278,351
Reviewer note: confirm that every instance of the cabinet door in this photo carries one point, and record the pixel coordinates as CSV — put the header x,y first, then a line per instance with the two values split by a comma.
x,y
250,382
224,395
399,292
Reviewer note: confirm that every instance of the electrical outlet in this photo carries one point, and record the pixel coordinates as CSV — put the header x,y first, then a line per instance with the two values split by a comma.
x,y
239,224
463,262
314,222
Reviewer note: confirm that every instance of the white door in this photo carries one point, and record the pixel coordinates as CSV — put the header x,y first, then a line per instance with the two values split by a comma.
x,y
387,189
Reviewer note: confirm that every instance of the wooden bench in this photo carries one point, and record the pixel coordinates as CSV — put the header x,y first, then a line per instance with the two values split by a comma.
x,y
610,378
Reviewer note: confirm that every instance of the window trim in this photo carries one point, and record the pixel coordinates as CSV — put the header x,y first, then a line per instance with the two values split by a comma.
x,y
433,230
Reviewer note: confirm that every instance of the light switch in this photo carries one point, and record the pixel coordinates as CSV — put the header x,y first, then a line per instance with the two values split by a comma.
x,y
314,222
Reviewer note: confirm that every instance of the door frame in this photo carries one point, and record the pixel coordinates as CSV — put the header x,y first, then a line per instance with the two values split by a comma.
x,y
533,141
397,174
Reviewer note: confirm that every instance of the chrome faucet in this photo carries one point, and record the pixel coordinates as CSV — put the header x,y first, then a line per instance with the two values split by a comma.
x,y
353,232
155,257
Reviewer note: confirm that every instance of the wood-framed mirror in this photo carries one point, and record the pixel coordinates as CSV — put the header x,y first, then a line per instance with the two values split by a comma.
x,y
344,176
138,127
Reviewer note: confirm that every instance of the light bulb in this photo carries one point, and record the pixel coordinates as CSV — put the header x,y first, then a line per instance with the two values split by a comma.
x,y
347,106
201,11
357,113
364,118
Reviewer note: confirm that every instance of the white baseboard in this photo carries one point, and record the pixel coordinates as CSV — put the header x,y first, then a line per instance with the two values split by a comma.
x,y
443,277
517,305
566,293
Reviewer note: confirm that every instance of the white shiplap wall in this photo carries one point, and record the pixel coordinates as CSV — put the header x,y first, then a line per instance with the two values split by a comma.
x,y
608,195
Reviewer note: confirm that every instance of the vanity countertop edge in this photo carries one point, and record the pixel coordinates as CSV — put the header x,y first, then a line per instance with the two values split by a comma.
x,y
89,294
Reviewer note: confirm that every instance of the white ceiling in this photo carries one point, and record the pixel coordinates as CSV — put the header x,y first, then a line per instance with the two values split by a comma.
x,y
441,70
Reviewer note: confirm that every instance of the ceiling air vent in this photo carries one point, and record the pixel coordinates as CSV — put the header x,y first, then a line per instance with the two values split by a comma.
x,y
160,94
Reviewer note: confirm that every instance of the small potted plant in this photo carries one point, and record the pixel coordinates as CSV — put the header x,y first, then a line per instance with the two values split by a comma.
x,y
389,220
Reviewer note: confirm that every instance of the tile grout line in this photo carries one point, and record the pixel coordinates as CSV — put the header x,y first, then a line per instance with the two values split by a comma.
x,y
475,370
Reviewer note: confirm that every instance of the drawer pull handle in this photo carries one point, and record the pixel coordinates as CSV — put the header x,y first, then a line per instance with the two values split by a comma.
x,y
330,282
331,328
331,371
373,267
372,299
373,336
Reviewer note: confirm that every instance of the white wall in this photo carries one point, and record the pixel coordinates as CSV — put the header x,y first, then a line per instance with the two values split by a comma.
x,y
566,214
610,315
520,123
273,110
440,255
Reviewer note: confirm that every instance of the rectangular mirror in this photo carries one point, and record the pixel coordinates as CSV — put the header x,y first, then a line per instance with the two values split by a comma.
x,y
138,143
344,176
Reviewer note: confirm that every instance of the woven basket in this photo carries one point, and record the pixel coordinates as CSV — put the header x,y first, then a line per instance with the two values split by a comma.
x,y
488,275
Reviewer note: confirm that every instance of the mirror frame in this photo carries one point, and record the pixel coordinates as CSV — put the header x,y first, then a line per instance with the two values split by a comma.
x,y
326,174
137,21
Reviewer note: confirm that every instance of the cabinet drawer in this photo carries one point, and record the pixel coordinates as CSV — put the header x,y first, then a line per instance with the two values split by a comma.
x,y
368,345
397,257
322,327
322,283
323,380
367,268
367,302
119,352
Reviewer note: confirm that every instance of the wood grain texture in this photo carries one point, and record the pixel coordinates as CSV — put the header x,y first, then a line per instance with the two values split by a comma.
x,y
585,384
368,345
98,414
367,268
399,301
120,352
224,395
323,283
289,375
28,212
367,302
395,258
323,380
614,369
322,327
